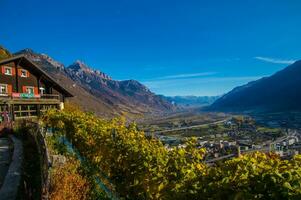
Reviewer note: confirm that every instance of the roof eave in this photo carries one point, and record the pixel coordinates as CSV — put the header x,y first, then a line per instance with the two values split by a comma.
x,y
22,56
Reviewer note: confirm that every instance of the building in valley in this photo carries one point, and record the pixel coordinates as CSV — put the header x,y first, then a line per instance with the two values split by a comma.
x,y
26,90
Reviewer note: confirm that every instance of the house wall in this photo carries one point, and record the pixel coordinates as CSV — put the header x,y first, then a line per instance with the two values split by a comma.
x,y
31,80
17,82
6,79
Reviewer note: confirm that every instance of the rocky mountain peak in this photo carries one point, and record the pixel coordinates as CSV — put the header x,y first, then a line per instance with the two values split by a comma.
x,y
135,85
26,51
80,67
55,63
96,91
41,57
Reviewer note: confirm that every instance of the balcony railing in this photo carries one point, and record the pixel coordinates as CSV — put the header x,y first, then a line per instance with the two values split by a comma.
x,y
50,96
19,96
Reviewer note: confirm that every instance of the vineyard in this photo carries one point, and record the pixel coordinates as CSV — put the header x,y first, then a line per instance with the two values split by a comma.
x,y
136,167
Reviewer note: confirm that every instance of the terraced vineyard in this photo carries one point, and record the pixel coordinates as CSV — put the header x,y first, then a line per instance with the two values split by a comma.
x,y
141,168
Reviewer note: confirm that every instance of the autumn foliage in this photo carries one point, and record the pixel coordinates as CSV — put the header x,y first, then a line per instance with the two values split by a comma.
x,y
67,183
142,168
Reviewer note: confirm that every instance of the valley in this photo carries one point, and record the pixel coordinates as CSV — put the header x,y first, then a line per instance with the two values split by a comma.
x,y
150,100
124,123
222,134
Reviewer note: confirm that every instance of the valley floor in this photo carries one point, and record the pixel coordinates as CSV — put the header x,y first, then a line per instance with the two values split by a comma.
x,y
223,134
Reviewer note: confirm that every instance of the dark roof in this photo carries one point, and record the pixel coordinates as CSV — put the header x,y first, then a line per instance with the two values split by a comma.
x,y
38,69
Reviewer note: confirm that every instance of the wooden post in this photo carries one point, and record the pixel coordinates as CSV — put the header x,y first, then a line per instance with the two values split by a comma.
x,y
11,110
38,107
38,80
238,151
16,89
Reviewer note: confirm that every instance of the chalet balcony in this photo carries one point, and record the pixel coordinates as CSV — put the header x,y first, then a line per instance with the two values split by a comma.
x,y
24,98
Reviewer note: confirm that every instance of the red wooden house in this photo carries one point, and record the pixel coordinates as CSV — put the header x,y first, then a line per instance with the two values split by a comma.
x,y
26,90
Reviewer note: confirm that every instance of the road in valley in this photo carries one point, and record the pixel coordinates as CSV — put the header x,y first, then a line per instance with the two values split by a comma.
x,y
191,127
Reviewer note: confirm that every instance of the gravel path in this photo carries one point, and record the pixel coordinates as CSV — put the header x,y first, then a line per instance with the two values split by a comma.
x,y
5,157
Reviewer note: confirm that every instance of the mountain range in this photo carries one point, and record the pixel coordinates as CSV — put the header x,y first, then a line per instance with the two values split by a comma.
x,y
280,92
191,101
97,92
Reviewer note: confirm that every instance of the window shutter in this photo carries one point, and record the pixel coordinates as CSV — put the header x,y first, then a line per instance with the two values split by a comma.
x,y
9,89
27,73
13,71
36,91
24,89
3,69
19,72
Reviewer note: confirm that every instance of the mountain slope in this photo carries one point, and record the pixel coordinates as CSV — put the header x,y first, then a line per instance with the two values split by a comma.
x,y
279,92
82,97
97,92
128,95
4,53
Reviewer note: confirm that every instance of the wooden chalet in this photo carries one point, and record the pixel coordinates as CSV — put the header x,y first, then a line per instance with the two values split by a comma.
x,y
26,90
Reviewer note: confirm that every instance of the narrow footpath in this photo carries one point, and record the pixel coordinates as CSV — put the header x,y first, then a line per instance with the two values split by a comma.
x,y
5,157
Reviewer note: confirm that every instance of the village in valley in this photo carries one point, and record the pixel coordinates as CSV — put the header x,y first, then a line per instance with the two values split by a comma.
x,y
225,136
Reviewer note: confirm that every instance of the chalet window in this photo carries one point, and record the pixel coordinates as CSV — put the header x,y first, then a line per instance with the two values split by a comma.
x,y
8,71
29,90
24,73
3,89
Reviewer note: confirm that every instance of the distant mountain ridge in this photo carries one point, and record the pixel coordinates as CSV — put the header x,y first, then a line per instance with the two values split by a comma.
x,y
96,91
277,93
191,101
129,93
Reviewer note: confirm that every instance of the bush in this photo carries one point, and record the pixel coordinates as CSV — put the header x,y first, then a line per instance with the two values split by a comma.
x,y
67,183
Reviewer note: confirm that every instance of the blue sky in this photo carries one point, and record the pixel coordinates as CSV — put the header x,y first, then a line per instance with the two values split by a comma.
x,y
175,47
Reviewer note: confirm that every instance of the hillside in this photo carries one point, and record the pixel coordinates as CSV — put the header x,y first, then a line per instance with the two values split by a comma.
x,y
4,53
136,167
130,96
279,92
97,92
83,98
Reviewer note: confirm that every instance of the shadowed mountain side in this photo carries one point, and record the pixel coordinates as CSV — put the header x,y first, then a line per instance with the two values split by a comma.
x,y
279,92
